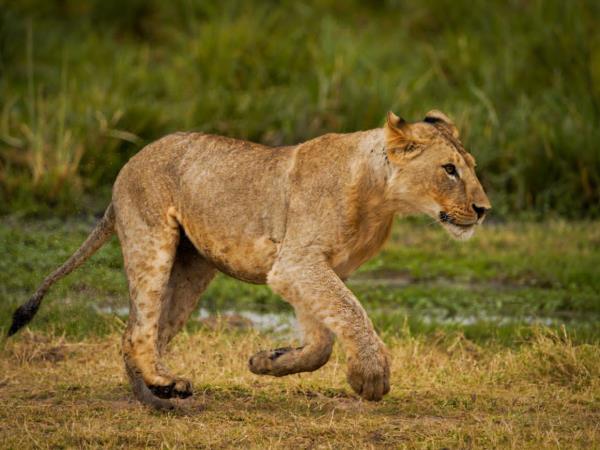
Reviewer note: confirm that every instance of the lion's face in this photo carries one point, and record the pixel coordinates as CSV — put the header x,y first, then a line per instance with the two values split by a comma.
x,y
434,174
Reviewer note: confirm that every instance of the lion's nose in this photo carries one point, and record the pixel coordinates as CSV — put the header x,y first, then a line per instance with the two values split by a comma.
x,y
479,210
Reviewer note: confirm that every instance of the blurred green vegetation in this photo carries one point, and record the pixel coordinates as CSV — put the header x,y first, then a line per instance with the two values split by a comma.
x,y
84,85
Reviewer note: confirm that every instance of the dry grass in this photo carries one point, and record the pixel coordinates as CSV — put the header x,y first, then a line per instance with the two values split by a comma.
x,y
447,392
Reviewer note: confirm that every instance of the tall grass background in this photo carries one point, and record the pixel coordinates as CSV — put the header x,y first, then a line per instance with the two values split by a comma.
x,y
84,85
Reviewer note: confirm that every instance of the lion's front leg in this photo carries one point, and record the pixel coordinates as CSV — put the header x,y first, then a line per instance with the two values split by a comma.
x,y
318,343
312,286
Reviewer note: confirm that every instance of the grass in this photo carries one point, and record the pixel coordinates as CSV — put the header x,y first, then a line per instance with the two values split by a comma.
x,y
447,392
495,344
84,86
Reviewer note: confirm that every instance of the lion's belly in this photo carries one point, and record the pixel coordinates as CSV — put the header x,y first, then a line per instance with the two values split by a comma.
x,y
245,257
240,237
232,203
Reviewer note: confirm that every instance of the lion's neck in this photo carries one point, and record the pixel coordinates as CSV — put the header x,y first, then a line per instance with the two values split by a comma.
x,y
371,149
368,215
393,200
374,195
375,172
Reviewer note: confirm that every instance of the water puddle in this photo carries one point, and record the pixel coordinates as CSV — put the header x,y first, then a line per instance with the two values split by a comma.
x,y
270,322
286,323
280,323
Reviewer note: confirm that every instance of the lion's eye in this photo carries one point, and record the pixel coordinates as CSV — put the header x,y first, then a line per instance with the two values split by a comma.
x,y
450,169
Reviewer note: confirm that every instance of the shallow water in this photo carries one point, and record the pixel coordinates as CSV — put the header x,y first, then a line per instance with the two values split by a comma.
x,y
286,323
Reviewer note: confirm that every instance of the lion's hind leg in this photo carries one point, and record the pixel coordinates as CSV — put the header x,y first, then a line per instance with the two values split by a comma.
x,y
149,252
190,276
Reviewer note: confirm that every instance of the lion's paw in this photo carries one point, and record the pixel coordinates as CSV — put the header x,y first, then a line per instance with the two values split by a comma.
x,y
179,387
370,377
263,362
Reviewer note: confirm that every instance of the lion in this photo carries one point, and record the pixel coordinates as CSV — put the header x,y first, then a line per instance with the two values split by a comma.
x,y
300,219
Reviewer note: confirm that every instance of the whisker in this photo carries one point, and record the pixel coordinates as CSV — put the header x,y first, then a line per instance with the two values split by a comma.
x,y
430,223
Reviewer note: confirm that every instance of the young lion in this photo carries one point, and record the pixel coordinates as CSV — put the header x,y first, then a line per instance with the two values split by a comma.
x,y
300,219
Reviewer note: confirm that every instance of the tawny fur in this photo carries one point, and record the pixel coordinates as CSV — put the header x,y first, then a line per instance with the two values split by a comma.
x,y
299,218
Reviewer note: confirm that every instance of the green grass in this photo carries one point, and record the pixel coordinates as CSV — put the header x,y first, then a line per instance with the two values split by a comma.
x,y
499,286
85,85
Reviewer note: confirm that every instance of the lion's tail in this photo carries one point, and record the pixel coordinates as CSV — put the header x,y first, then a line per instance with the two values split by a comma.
x,y
96,239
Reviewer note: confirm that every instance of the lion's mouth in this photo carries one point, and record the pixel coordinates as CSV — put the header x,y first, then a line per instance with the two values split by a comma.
x,y
460,231
447,218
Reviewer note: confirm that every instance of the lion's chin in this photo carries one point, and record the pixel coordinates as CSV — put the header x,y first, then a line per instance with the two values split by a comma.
x,y
459,233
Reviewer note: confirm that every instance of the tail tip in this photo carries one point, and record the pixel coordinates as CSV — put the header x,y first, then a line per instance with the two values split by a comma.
x,y
14,327
22,316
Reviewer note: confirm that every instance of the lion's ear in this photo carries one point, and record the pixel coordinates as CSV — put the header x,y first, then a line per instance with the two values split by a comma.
x,y
437,117
398,142
393,121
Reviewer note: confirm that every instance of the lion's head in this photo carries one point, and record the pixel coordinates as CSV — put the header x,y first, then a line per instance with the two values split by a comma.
x,y
434,174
